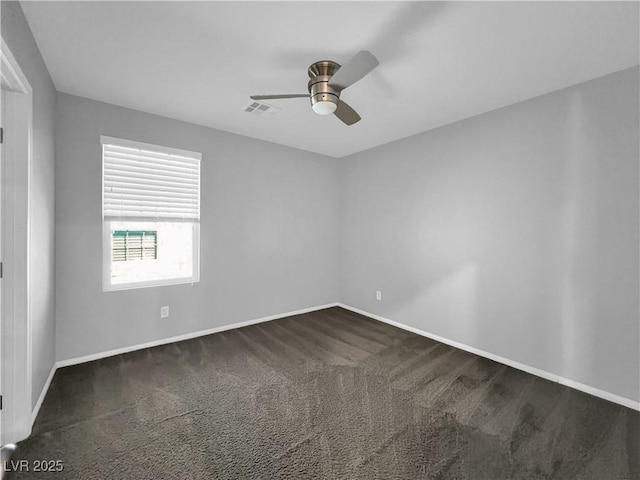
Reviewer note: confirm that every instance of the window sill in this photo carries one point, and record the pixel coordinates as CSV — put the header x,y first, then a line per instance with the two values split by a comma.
x,y
149,284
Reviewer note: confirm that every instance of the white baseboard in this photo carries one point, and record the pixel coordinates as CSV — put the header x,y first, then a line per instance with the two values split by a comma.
x,y
186,336
627,402
43,393
512,363
155,343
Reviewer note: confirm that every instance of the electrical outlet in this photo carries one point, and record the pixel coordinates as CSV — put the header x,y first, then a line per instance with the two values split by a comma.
x,y
378,295
164,312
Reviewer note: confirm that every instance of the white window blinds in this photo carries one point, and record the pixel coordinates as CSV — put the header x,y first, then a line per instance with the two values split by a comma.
x,y
149,181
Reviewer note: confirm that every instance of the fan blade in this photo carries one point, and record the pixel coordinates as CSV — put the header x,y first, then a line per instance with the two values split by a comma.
x,y
353,70
347,114
275,97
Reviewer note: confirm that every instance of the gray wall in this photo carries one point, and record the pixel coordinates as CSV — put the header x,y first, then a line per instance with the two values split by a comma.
x,y
515,232
268,232
17,35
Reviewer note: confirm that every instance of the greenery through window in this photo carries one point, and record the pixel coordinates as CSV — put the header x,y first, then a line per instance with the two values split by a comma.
x,y
134,245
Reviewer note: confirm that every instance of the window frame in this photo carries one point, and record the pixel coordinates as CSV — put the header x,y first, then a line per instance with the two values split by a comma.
x,y
107,285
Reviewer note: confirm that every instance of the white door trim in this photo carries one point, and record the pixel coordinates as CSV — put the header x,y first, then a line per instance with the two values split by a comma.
x,y
16,215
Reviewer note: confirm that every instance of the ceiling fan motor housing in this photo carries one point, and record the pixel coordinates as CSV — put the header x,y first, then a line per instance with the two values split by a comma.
x,y
320,73
321,91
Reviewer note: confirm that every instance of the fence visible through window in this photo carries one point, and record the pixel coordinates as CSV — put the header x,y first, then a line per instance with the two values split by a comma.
x,y
134,245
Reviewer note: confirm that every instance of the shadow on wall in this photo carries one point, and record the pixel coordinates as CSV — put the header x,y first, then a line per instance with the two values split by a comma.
x,y
576,261
516,241
600,212
514,232
452,297
475,239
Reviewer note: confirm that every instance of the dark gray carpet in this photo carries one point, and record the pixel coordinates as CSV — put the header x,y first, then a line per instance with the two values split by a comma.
x,y
325,395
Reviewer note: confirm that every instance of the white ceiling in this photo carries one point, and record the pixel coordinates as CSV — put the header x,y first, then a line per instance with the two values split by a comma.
x,y
439,61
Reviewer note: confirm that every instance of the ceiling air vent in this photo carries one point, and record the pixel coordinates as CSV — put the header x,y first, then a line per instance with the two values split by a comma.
x,y
258,108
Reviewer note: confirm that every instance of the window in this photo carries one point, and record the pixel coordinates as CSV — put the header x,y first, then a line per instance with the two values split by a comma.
x,y
151,214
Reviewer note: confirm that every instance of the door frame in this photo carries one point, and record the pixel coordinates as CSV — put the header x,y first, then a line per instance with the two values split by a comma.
x,y
16,372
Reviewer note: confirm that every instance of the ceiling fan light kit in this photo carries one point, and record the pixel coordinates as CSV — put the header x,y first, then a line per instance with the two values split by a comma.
x,y
327,79
323,107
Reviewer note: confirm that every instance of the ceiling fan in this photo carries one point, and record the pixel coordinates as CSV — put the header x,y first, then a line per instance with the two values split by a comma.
x,y
327,80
